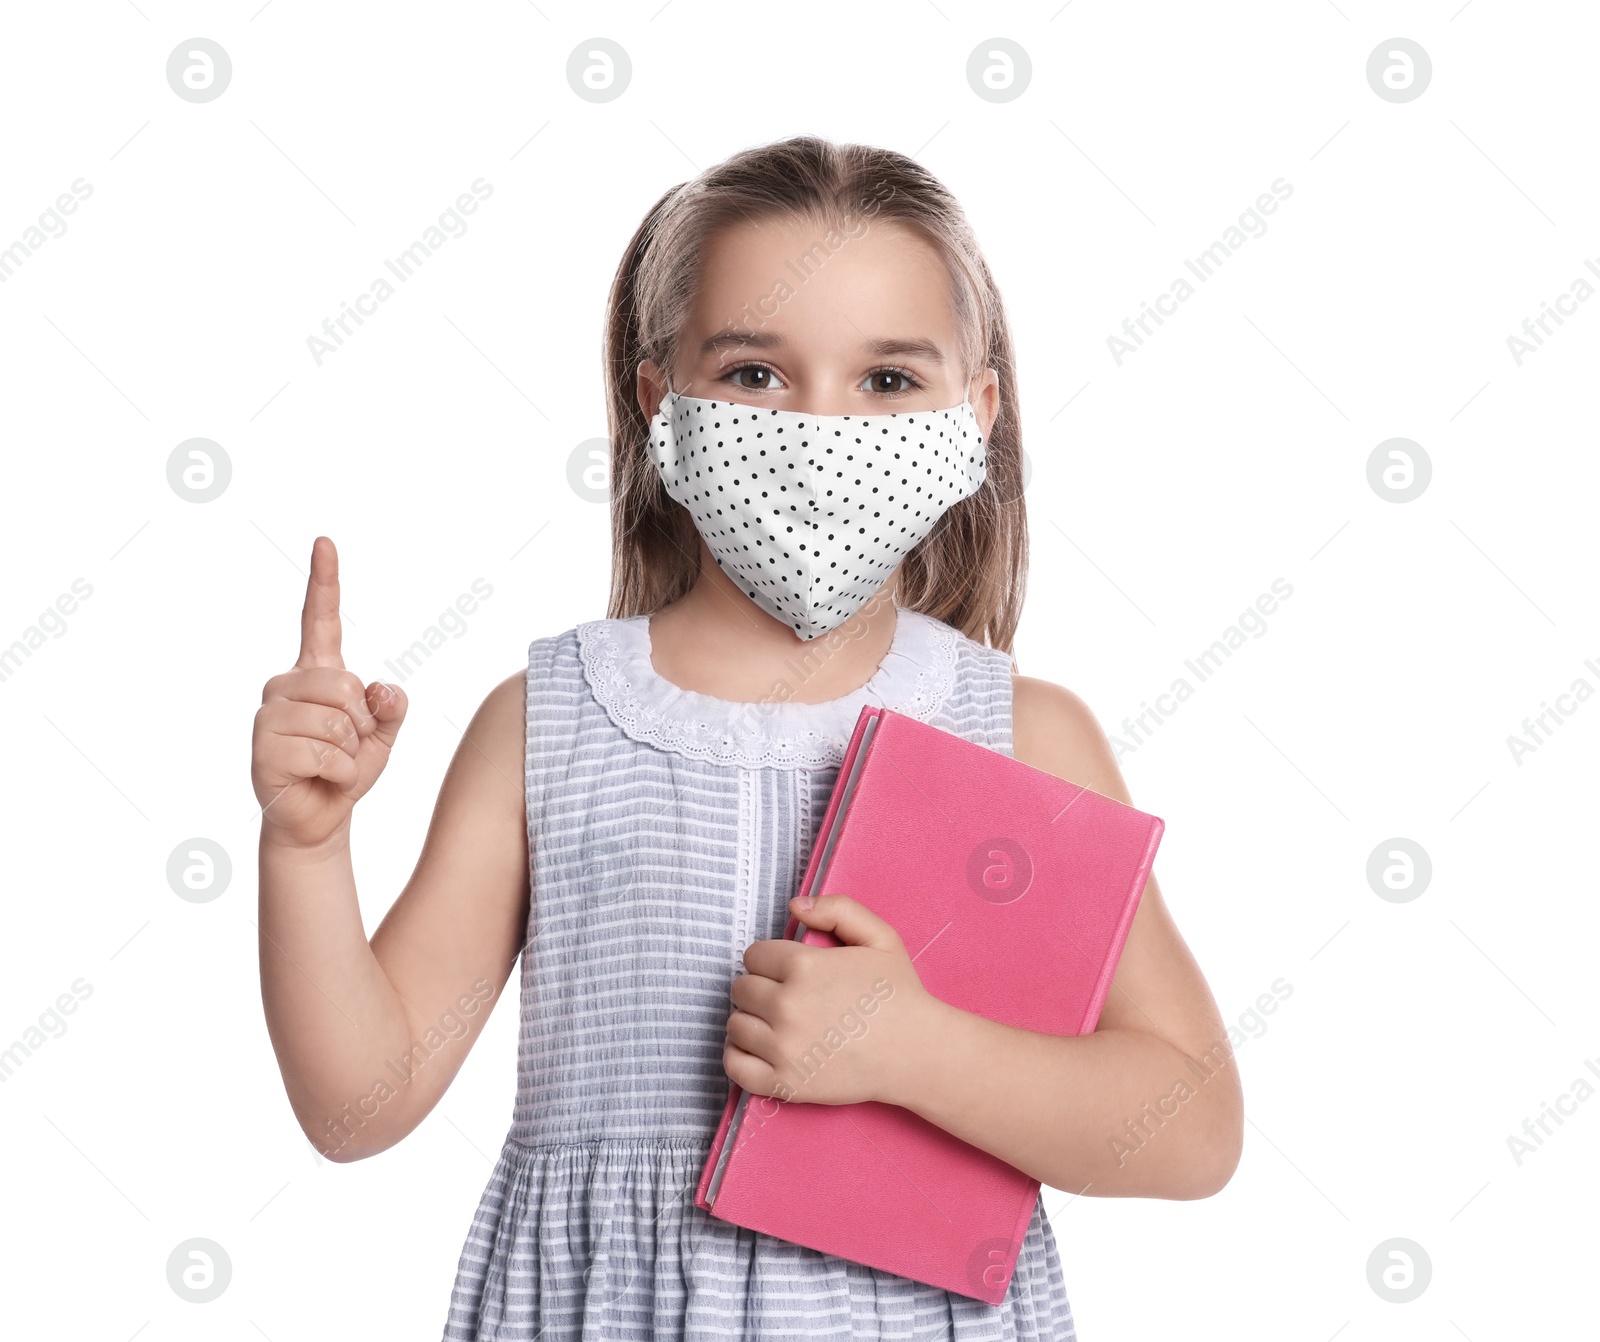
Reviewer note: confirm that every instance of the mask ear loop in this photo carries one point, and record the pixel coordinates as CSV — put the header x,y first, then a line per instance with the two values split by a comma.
x,y
664,399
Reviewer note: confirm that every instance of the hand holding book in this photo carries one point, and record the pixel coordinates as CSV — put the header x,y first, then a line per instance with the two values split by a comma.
x,y
829,1025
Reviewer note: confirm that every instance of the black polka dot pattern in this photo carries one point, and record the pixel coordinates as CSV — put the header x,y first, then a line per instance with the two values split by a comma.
x,y
810,514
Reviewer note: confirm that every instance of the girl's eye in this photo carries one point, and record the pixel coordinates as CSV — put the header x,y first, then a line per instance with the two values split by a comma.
x,y
734,376
884,382
875,381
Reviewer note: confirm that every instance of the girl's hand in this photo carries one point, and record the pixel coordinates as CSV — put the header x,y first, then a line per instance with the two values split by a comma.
x,y
829,1024
321,737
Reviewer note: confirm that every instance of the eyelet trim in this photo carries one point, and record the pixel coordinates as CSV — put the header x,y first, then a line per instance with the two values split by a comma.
x,y
744,889
914,678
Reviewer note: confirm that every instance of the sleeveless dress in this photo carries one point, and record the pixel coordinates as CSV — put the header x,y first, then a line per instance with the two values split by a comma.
x,y
667,830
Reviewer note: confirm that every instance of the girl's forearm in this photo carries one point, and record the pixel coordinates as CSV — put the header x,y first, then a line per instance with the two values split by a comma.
x,y
1116,1113
332,1014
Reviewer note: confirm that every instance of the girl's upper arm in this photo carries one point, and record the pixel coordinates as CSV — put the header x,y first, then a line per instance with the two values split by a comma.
x,y
449,942
1158,987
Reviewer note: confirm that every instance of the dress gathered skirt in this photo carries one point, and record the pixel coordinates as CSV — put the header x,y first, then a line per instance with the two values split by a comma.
x,y
667,830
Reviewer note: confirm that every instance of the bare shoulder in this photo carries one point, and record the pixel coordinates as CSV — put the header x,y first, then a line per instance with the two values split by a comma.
x,y
509,698
500,730
1054,730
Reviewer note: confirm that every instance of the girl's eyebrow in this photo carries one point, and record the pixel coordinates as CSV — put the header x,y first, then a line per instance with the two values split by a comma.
x,y
735,339
912,348
881,346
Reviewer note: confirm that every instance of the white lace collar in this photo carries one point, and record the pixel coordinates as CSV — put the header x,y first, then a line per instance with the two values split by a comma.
x,y
914,678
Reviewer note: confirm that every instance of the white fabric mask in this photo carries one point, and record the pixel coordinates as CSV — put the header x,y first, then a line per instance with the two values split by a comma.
x,y
810,514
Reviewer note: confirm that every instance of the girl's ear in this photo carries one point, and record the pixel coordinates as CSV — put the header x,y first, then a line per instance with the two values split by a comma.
x,y
985,398
651,387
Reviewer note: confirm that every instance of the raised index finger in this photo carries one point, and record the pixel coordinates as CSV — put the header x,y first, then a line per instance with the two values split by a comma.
x,y
319,617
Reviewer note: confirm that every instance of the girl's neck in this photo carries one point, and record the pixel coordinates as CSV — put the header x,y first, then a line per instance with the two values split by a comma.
x,y
715,640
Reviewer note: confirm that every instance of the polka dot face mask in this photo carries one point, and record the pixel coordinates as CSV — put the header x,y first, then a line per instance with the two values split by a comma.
x,y
810,514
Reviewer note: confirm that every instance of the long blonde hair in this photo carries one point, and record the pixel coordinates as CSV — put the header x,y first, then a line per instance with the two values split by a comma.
x,y
971,569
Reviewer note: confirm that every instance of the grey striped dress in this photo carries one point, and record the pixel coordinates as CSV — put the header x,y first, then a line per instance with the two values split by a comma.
x,y
667,830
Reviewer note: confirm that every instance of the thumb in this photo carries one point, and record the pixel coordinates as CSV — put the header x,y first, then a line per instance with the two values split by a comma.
x,y
388,704
852,922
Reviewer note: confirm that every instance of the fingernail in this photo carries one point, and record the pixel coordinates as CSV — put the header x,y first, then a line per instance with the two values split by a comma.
x,y
806,901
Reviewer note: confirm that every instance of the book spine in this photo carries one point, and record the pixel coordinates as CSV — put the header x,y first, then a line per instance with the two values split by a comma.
x,y
831,820
1092,1014
716,1147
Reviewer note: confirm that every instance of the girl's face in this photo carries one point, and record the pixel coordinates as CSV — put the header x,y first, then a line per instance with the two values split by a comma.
x,y
797,317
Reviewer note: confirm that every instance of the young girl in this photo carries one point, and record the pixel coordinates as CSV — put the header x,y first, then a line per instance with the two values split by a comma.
x,y
632,812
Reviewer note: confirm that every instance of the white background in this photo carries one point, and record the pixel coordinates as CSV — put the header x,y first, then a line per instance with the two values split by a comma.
x,y
1229,451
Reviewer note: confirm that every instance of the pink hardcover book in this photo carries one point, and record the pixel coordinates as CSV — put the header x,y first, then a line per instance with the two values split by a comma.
x,y
1013,890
